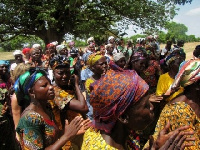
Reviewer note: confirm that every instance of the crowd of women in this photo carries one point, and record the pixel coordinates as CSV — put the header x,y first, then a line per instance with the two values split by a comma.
x,y
109,96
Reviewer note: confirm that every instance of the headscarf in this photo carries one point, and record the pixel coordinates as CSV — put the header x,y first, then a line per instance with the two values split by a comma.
x,y
4,62
139,54
169,59
25,82
93,58
112,94
110,37
60,47
72,43
59,60
36,46
26,50
189,72
118,56
17,52
90,39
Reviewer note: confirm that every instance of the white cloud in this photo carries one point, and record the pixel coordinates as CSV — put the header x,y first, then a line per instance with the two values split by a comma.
x,y
193,12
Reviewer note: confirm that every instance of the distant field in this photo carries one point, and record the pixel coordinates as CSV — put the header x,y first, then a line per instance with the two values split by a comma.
x,y
188,47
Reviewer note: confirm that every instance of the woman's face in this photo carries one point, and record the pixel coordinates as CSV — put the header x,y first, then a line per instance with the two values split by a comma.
x,y
62,76
140,114
3,69
43,89
100,67
36,55
139,65
121,62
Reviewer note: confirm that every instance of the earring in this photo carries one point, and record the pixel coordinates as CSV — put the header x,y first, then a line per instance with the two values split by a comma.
x,y
34,96
124,118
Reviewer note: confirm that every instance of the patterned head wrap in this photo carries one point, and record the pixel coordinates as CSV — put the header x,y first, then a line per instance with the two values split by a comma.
x,y
58,61
94,58
170,59
189,72
25,82
110,98
139,54
50,45
4,62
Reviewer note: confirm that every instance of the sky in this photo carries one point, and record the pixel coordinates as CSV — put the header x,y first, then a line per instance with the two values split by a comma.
x,y
189,15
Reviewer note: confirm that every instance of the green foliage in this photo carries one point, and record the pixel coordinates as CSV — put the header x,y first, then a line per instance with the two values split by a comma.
x,y
51,20
21,41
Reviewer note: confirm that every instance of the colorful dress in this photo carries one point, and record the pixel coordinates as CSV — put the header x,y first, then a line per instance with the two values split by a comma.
x,y
35,131
93,140
59,108
179,114
164,83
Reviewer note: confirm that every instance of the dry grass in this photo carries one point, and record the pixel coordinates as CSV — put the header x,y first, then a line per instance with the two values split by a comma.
x,y
188,47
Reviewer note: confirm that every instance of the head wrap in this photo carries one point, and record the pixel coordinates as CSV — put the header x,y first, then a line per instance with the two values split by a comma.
x,y
72,43
111,37
74,51
110,98
50,45
59,61
169,59
60,47
189,72
139,54
26,50
118,56
4,62
25,82
93,58
90,39
108,45
36,46
17,52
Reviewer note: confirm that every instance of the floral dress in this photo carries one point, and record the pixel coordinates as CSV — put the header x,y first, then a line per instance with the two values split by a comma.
x,y
35,131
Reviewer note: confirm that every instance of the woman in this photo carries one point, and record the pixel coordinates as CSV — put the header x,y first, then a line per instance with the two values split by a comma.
x,y
6,120
98,65
184,109
167,79
36,127
67,103
119,59
153,71
119,109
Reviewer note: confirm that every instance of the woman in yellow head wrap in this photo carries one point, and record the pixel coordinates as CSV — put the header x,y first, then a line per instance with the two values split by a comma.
x,y
98,65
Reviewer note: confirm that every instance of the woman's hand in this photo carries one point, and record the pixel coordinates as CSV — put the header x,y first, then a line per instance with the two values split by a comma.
x,y
86,124
155,99
72,129
173,140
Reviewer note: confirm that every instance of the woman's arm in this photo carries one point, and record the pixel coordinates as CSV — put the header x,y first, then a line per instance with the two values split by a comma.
x,y
78,104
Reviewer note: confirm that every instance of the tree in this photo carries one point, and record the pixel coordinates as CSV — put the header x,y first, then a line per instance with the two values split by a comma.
x,y
176,31
51,20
